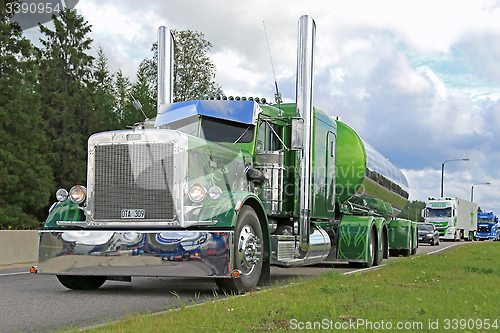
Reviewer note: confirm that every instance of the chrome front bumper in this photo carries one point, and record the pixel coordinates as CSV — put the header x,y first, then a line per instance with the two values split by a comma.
x,y
179,253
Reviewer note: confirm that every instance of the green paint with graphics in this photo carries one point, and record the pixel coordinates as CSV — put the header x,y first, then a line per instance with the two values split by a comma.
x,y
353,233
212,164
64,211
400,233
223,209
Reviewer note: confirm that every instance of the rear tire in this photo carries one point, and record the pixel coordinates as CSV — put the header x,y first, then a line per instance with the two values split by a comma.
x,y
78,282
373,248
248,253
385,246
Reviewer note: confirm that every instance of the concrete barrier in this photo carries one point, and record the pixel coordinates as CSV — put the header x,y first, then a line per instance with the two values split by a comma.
x,y
18,249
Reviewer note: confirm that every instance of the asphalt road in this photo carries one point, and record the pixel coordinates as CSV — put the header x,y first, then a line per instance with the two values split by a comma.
x,y
39,303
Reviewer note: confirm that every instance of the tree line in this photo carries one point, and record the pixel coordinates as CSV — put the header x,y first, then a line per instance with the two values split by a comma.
x,y
53,97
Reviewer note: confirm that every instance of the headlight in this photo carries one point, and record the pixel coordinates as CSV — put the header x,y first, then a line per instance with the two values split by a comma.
x,y
430,235
78,194
214,192
197,192
61,195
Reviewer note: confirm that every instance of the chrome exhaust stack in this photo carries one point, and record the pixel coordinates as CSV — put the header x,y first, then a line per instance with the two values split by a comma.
x,y
304,104
165,67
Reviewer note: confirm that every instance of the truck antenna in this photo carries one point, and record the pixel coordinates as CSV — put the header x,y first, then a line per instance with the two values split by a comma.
x,y
277,95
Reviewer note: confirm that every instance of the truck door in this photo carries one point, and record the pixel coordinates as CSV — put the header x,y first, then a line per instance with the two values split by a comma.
x,y
330,171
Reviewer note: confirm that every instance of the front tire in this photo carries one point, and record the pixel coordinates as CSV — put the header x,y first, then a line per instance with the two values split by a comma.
x,y
78,282
248,253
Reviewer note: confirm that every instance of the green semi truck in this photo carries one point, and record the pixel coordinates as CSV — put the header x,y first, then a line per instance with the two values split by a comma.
x,y
224,188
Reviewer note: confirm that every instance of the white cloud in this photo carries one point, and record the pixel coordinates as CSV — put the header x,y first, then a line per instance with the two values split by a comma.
x,y
419,80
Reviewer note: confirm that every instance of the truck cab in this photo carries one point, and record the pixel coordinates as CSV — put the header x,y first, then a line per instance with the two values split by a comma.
x,y
454,218
487,224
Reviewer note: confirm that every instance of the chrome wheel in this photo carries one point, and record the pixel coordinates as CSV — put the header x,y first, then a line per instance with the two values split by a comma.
x,y
249,250
248,253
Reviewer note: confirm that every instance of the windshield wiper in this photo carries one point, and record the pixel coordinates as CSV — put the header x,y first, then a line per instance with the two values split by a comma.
x,y
242,135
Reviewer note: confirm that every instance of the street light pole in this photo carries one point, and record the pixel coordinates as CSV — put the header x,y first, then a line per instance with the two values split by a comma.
x,y
442,172
472,190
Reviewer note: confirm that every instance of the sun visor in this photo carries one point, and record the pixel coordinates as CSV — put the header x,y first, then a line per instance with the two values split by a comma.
x,y
245,112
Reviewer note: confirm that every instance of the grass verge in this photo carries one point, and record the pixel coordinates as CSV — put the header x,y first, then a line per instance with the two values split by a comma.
x,y
457,290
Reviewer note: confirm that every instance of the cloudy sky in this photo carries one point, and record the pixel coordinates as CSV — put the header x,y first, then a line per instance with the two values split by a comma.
x,y
418,80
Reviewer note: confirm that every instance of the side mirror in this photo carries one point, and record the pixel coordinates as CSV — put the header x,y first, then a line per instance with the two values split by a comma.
x,y
297,134
423,213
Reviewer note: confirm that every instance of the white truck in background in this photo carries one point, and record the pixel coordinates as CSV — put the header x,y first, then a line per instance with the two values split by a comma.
x,y
455,218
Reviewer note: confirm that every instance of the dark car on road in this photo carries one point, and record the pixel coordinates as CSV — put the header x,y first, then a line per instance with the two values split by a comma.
x,y
427,233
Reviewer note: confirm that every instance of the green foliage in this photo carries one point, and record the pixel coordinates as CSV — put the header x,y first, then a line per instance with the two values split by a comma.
x,y
54,97
194,70
141,92
105,98
412,211
68,99
25,177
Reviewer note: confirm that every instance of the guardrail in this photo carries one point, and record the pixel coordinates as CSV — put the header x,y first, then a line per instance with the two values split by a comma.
x,y
18,249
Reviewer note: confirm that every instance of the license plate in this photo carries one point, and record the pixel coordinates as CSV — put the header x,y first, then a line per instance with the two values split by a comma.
x,y
133,213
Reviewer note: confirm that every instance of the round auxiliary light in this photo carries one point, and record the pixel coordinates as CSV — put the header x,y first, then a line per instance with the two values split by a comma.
x,y
197,192
78,194
61,195
214,192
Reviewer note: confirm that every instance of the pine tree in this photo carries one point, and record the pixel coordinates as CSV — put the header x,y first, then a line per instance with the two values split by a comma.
x,y
123,100
68,99
106,100
25,178
142,92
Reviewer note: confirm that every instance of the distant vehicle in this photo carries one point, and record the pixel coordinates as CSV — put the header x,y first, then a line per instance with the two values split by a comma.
x,y
427,233
487,225
454,218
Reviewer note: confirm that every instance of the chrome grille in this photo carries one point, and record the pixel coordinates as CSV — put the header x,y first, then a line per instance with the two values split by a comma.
x,y
133,176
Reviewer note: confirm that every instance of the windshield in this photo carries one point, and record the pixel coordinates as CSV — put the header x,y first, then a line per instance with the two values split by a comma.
x,y
444,212
187,125
485,220
219,130
425,227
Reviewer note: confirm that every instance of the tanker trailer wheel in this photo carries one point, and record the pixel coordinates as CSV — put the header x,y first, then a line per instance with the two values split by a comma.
x,y
248,253
373,248
81,282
